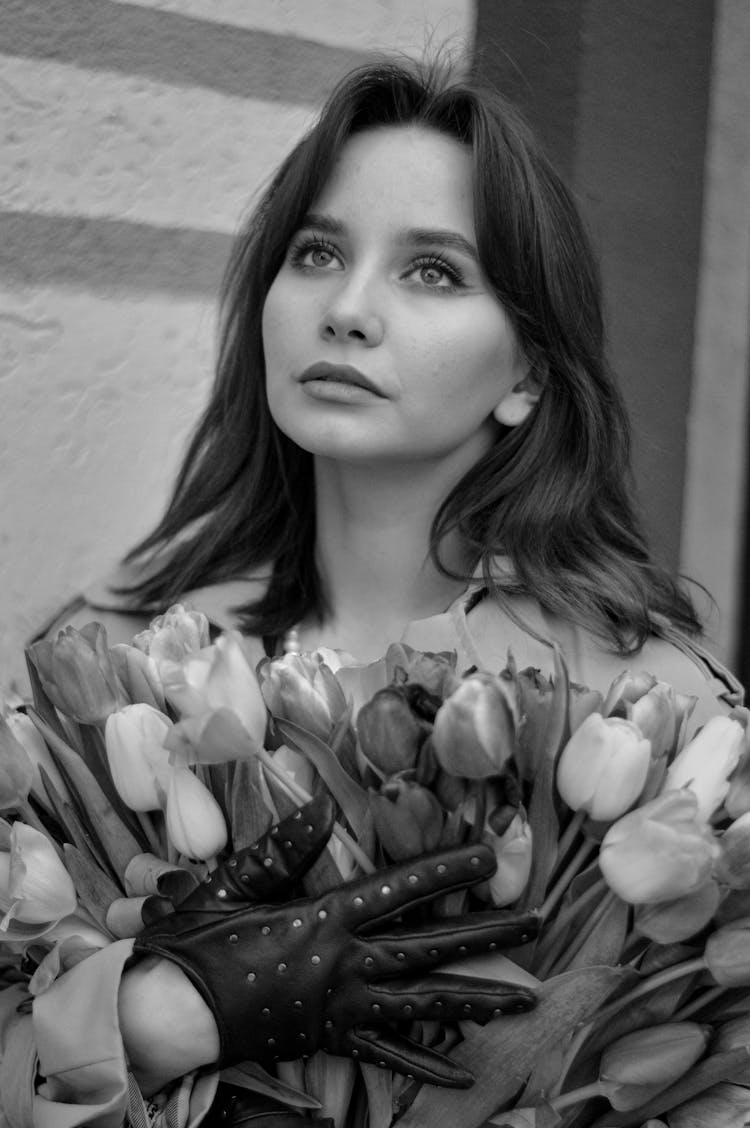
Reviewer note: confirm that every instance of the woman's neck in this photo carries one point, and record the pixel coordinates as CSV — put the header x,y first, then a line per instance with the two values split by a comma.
x,y
372,550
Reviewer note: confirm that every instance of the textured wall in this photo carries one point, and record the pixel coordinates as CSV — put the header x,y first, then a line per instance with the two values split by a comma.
x,y
134,135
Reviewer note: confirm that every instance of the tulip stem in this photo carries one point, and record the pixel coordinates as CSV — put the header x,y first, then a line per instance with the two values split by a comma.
x,y
574,866
149,832
576,1096
298,793
582,935
569,835
698,1003
557,929
668,975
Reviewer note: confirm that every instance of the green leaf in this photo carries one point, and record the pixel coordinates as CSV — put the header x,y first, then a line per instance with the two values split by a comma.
x,y
348,794
95,889
250,1075
379,1095
76,831
502,1054
249,817
604,943
118,844
42,703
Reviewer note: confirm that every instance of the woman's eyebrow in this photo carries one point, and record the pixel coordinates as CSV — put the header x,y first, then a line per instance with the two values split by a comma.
x,y
429,236
323,222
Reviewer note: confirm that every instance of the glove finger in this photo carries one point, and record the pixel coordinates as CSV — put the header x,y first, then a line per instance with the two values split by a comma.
x,y
451,938
389,1050
389,891
448,997
271,868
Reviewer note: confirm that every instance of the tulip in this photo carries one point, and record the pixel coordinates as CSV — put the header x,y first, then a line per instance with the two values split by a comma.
x,y
535,700
671,922
734,1035
195,823
35,888
642,1063
727,954
582,702
390,734
475,728
212,737
658,852
722,1106
408,819
706,763
139,674
656,716
627,688
174,635
218,676
138,760
513,853
19,727
301,688
16,771
77,673
733,864
603,767
737,799
435,672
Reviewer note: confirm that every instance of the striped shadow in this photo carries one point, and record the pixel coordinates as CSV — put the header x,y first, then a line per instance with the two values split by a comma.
x,y
110,257
175,49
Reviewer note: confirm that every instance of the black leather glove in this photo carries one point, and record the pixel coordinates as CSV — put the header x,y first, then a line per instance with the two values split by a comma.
x,y
285,980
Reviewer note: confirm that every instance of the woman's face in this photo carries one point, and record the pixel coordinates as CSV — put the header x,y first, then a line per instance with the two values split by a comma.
x,y
383,340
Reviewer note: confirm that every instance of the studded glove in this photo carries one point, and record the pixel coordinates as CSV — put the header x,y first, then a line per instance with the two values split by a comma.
x,y
335,972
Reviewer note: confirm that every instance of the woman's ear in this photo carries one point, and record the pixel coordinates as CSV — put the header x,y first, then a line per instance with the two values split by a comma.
x,y
517,404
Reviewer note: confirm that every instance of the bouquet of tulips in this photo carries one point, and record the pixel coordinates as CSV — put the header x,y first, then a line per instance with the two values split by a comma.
x,y
135,769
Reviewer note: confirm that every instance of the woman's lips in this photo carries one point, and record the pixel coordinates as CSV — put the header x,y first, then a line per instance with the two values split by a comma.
x,y
339,374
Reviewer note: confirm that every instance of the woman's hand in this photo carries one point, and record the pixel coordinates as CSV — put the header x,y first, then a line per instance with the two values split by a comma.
x,y
285,980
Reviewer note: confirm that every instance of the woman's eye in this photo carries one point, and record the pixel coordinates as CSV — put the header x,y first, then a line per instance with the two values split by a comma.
x,y
315,254
436,274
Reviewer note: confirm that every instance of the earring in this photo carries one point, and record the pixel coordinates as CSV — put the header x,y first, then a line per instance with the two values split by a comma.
x,y
511,412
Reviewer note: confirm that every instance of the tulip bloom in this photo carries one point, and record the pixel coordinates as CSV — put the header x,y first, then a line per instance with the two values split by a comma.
x,y
174,635
513,852
670,922
627,688
219,676
77,673
722,1106
475,728
139,674
195,823
641,1064
656,716
658,852
390,734
35,888
138,760
727,954
733,865
706,763
408,819
21,729
16,772
603,767
301,688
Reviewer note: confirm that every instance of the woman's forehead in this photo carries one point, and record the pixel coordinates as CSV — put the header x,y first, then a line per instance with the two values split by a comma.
x,y
404,175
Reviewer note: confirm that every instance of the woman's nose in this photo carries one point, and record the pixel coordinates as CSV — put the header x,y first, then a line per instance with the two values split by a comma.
x,y
350,316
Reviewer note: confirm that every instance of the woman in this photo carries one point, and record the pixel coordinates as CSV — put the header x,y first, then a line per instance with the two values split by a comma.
x,y
412,436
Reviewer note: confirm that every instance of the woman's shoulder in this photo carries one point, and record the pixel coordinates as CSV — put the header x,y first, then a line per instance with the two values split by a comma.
x,y
123,614
521,625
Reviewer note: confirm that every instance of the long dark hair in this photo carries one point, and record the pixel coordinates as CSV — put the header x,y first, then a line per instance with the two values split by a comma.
x,y
553,494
